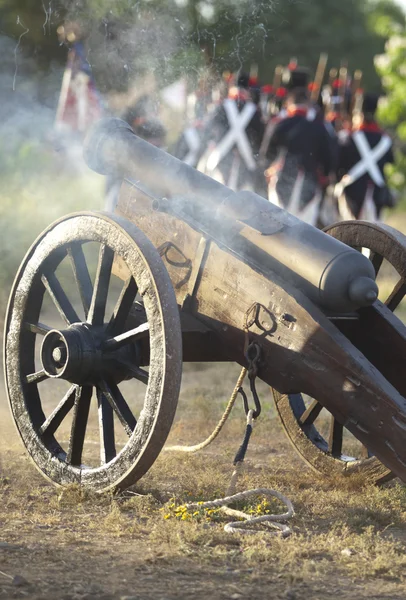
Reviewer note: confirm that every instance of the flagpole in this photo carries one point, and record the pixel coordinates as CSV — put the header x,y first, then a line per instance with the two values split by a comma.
x,y
356,91
318,79
66,81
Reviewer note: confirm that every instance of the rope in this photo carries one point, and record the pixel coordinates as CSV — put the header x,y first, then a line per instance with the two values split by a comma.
x,y
220,424
270,521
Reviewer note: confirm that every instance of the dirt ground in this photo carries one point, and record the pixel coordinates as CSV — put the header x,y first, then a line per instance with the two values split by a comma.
x,y
348,541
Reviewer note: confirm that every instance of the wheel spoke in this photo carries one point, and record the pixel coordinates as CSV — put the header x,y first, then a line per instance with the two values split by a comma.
x,y
60,299
82,276
36,377
134,371
106,426
119,405
39,328
335,441
101,286
397,295
133,335
49,427
123,307
80,417
310,414
376,260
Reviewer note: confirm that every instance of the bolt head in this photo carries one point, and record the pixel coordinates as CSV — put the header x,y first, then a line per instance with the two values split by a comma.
x,y
59,355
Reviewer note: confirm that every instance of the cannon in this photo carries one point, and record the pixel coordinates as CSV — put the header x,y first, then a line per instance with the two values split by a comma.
x,y
105,308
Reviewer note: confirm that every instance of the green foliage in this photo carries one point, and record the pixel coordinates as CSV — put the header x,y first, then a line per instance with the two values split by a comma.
x,y
36,189
36,22
382,16
392,112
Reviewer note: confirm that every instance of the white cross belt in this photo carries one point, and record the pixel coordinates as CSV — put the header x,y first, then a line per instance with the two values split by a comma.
x,y
369,160
236,135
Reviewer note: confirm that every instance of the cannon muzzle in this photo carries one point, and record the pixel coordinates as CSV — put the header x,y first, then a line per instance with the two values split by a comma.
x,y
333,275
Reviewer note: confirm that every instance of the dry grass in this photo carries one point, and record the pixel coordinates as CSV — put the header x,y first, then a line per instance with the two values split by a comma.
x,y
349,539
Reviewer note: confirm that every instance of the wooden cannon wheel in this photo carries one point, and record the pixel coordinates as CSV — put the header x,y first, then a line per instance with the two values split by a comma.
x,y
321,440
67,328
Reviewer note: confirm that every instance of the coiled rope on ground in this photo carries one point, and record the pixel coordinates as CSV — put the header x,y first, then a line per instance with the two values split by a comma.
x,y
275,523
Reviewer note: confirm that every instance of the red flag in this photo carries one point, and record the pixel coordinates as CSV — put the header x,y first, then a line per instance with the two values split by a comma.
x,y
79,103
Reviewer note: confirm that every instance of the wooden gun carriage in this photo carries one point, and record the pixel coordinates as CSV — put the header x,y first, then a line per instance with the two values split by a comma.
x,y
204,272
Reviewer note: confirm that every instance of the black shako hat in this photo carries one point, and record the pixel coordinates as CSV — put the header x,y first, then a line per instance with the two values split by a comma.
x,y
243,81
370,103
296,78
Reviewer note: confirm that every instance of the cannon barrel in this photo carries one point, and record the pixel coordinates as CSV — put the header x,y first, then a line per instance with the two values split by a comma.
x,y
331,274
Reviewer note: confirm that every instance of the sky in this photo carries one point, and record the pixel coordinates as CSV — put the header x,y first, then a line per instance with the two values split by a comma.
x,y
402,3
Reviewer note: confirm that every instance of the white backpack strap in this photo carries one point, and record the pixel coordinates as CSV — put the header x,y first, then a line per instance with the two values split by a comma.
x,y
236,135
294,202
232,182
193,141
368,210
369,159
311,114
311,211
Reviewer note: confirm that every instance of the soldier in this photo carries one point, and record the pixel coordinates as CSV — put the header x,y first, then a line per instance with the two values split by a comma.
x,y
362,191
188,145
79,104
266,95
301,153
231,140
199,105
146,126
142,120
338,108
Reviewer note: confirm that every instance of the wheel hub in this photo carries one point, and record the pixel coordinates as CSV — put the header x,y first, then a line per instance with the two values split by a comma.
x,y
73,354
76,354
